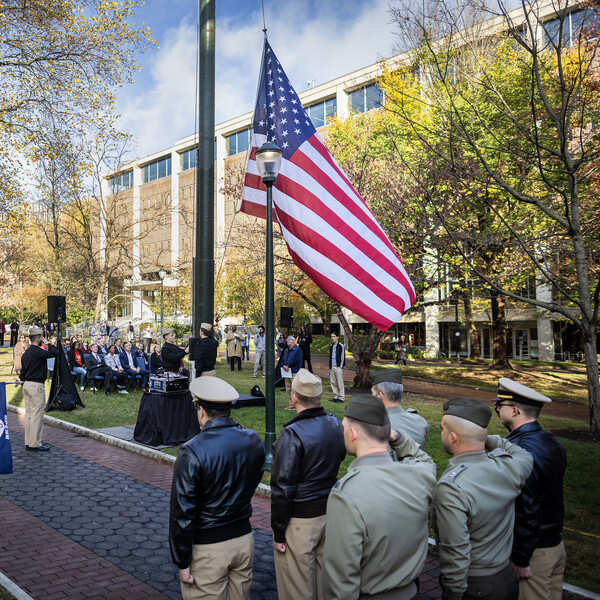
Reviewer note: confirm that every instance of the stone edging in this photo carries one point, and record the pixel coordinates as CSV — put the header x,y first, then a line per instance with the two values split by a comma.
x,y
570,592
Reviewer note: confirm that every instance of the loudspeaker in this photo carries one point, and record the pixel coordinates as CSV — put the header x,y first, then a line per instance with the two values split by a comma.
x,y
286,316
57,309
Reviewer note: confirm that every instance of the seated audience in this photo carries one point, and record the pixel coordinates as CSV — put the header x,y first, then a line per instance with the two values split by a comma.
x,y
85,347
112,360
76,362
129,364
155,360
96,368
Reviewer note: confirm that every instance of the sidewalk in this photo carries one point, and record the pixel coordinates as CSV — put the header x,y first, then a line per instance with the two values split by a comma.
x,y
89,520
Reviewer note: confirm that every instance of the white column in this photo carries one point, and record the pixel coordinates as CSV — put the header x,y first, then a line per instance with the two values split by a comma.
x,y
136,308
342,102
175,238
543,292
220,155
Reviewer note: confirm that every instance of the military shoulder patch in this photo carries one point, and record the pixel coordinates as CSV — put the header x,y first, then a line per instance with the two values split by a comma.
x,y
451,474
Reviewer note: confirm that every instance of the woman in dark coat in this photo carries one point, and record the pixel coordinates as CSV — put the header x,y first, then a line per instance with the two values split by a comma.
x,y
304,341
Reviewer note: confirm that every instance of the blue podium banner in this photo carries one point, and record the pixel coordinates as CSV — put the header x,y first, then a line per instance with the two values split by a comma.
x,y
6,464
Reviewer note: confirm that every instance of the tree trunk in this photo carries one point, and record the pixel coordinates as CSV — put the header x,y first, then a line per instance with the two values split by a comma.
x,y
472,330
362,377
500,360
327,321
591,363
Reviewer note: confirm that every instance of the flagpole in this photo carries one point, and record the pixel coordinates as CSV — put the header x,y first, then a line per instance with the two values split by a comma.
x,y
268,162
204,263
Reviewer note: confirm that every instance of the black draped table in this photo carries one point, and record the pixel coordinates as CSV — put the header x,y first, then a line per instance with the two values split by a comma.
x,y
166,419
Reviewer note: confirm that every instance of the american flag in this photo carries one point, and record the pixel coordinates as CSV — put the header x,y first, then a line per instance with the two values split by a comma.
x,y
330,232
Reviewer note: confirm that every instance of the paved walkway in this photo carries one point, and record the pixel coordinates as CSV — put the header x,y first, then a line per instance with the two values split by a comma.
x,y
89,520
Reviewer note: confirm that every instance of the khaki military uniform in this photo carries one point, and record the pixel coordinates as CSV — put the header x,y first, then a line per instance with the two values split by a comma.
x,y
473,518
376,534
410,422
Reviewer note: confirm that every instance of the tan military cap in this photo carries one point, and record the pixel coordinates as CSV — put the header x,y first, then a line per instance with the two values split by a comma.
x,y
214,390
517,392
307,384
206,326
35,331
167,331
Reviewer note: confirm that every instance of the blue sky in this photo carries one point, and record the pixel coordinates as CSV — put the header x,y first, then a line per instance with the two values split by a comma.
x,y
314,40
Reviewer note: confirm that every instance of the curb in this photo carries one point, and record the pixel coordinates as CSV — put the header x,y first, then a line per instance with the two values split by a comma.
x,y
13,588
570,592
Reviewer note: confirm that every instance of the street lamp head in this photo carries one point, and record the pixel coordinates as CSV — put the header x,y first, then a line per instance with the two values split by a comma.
x,y
162,274
268,162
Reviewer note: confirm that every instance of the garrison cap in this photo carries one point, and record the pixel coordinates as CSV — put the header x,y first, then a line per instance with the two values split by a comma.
x,y
387,375
307,384
206,326
35,331
167,331
469,409
517,392
213,392
368,409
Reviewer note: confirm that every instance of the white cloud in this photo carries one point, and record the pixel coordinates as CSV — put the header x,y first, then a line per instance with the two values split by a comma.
x,y
331,39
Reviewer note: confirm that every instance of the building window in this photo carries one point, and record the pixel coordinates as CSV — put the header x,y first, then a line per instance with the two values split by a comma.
x,y
121,182
188,159
584,22
238,142
365,98
156,170
319,113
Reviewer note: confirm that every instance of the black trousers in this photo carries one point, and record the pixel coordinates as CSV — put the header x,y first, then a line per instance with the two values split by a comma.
x,y
232,361
500,586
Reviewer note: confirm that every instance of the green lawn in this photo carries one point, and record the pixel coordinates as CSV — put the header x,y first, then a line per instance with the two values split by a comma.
x,y
582,486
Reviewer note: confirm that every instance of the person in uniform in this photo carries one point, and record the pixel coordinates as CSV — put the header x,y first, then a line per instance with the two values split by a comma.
x,y
474,506
387,386
172,355
538,552
215,476
33,374
205,352
377,514
306,459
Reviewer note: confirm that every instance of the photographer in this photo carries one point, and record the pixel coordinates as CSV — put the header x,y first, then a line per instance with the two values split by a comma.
x,y
33,374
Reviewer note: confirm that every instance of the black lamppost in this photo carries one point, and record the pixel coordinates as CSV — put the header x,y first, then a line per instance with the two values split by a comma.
x,y
268,162
162,274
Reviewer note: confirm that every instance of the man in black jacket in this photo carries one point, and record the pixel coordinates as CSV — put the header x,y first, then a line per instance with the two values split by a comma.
x,y
306,459
205,352
214,479
337,358
172,355
538,552
33,373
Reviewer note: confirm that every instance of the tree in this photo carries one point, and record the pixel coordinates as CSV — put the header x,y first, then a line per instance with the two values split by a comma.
x,y
504,120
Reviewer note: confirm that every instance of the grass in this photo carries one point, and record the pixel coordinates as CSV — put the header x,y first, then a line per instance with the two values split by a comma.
x,y
582,486
569,383
4,595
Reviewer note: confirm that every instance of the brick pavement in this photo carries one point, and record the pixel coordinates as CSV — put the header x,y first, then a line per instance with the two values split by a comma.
x,y
89,520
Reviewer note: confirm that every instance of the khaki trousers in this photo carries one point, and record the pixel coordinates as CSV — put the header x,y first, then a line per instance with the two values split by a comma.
x,y
221,571
288,387
34,395
548,568
298,569
336,379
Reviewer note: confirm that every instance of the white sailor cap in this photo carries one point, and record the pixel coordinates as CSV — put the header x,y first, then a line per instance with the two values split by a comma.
x,y
517,392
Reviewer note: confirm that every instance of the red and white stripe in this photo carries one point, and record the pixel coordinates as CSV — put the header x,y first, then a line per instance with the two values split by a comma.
x,y
332,234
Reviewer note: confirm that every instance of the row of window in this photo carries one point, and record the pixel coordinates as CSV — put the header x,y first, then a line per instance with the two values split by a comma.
x,y
584,23
156,170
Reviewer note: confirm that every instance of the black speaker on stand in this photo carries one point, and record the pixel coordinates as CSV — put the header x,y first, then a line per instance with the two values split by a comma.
x,y
57,309
286,316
